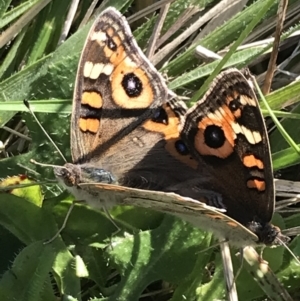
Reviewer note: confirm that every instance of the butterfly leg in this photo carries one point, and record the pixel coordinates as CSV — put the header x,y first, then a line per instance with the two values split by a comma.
x,y
241,254
64,222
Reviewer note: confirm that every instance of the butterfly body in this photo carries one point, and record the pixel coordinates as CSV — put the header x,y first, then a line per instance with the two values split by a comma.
x,y
130,144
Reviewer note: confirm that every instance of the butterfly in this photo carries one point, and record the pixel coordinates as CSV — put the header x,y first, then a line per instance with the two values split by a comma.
x,y
132,144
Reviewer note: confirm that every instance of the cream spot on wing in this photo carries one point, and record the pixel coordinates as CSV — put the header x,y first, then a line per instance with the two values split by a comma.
x,y
108,69
96,70
217,114
251,101
243,100
257,137
130,63
236,128
247,101
120,33
252,136
87,69
99,36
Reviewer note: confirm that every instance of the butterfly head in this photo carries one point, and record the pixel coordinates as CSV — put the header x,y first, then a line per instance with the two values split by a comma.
x,y
267,234
68,175
73,175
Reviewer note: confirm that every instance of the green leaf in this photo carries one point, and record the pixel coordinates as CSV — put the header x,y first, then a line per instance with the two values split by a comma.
x,y
219,38
150,252
28,278
21,218
16,12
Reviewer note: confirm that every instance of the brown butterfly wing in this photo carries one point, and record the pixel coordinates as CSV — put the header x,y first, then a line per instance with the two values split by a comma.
x,y
225,131
116,89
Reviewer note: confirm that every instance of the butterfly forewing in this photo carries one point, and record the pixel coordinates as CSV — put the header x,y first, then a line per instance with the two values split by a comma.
x,y
111,67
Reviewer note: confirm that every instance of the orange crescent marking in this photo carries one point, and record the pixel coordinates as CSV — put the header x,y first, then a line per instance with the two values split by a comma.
x,y
89,124
237,113
119,95
170,132
251,161
93,99
260,185
117,56
222,152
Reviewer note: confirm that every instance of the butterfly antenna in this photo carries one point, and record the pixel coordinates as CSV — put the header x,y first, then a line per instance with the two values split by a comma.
x,y
45,165
26,103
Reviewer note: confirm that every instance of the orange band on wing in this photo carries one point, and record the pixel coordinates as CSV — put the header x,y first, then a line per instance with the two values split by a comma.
x,y
251,161
260,185
93,99
169,130
89,124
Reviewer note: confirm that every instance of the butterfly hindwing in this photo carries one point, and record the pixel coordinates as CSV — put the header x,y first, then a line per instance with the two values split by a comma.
x,y
225,131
